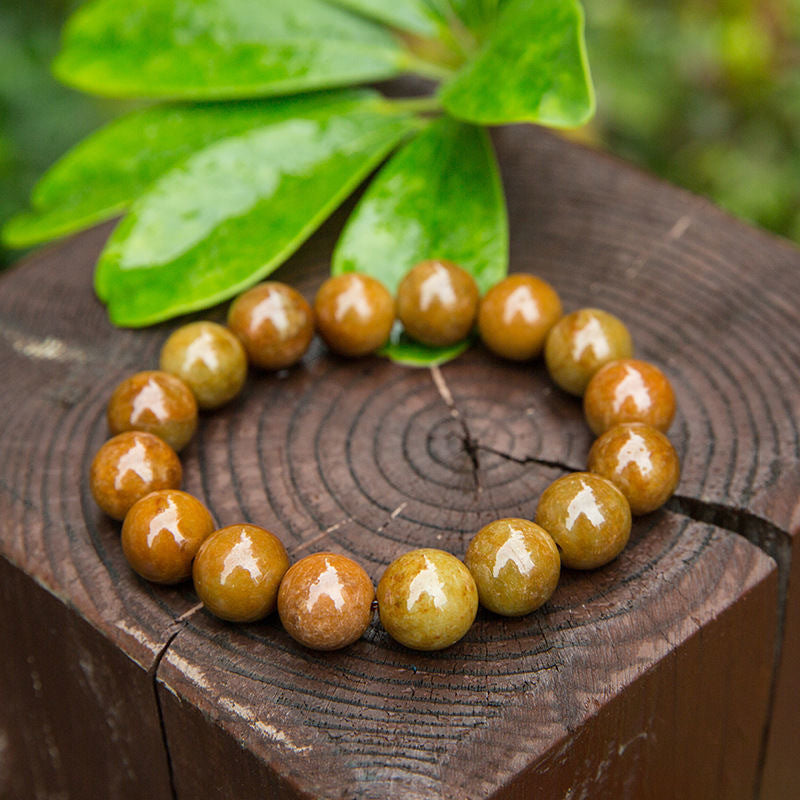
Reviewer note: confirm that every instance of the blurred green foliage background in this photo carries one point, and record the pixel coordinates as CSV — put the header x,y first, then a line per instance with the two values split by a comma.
x,y
705,93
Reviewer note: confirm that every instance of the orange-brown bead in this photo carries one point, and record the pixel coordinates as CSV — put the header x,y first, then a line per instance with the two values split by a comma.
x,y
437,302
274,323
155,402
628,390
162,533
238,570
516,315
515,564
427,599
580,343
128,467
209,359
588,517
354,314
325,601
640,461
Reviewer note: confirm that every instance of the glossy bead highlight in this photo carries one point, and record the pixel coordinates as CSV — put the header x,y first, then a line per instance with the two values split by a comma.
x,y
325,601
238,570
354,314
515,564
162,533
640,461
274,323
588,517
628,390
516,315
209,359
128,467
580,343
155,402
437,302
427,599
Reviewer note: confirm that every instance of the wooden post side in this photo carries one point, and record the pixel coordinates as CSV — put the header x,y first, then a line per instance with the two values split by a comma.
x,y
78,718
689,728
781,775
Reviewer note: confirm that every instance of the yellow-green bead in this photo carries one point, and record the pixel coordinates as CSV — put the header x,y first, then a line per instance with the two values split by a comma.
x,y
588,517
580,343
427,599
515,564
209,359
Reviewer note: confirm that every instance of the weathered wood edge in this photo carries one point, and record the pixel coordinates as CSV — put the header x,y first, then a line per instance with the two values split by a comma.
x,y
518,748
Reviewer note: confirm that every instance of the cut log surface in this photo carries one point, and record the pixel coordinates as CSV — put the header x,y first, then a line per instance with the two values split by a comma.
x,y
672,672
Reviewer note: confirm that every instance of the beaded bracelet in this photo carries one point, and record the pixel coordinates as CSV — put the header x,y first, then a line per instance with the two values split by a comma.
x,y
427,599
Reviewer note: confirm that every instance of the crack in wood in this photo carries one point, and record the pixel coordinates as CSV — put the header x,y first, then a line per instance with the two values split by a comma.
x,y
173,630
543,462
153,672
469,442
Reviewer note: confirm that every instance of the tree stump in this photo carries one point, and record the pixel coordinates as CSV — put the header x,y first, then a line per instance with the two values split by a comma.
x,y
672,672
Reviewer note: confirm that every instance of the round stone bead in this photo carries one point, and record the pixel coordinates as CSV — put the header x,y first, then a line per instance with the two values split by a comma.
x,y
128,467
354,314
237,572
628,390
437,302
325,601
515,564
516,315
155,402
588,517
274,323
640,461
162,533
427,599
209,359
580,343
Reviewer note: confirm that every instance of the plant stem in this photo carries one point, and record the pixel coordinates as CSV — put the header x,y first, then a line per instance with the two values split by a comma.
x,y
417,105
427,69
456,33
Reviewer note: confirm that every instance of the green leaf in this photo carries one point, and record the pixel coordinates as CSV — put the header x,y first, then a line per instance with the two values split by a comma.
x,y
39,118
414,16
477,15
404,350
533,68
218,49
104,174
232,212
439,197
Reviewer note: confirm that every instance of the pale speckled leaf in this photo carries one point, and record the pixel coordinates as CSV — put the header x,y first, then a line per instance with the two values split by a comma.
x,y
439,197
232,212
533,68
100,177
217,49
